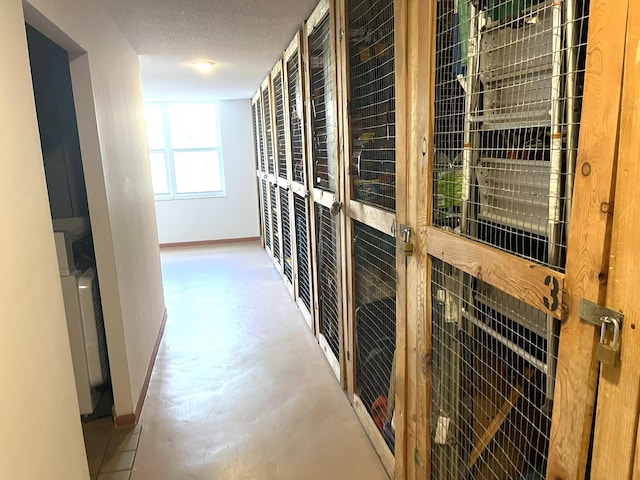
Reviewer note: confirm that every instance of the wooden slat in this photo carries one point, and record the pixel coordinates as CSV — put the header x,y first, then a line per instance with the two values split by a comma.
x,y
589,238
400,49
306,314
299,189
283,183
420,81
534,284
334,363
293,48
273,178
263,126
618,409
313,235
375,436
343,136
381,220
481,444
323,197
317,15
289,163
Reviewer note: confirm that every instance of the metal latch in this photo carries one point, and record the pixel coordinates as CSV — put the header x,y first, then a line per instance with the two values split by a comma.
x,y
608,320
406,246
336,206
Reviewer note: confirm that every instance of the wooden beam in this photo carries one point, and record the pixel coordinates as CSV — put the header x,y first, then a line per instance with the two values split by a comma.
x,y
589,238
400,35
344,155
381,220
481,444
323,197
420,73
616,432
313,234
534,284
375,436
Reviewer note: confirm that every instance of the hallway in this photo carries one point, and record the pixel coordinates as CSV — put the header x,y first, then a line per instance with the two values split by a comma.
x,y
240,390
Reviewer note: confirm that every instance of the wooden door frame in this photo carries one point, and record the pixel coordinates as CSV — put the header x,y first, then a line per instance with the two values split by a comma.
x,y
616,443
325,198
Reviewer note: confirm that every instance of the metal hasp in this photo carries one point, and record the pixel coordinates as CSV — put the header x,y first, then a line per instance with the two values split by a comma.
x,y
336,206
608,320
405,240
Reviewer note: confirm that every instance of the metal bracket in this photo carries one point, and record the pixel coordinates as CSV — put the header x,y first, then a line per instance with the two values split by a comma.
x,y
608,352
596,314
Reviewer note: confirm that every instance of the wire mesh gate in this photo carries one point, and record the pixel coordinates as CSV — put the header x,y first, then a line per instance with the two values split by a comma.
x,y
325,180
296,116
372,101
369,57
280,125
287,261
328,279
375,325
322,112
508,90
301,215
509,78
491,416
298,168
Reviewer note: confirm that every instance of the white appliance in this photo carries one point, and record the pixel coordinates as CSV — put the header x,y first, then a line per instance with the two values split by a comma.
x,y
83,310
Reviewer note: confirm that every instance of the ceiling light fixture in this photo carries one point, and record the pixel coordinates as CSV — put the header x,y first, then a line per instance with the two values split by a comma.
x,y
203,66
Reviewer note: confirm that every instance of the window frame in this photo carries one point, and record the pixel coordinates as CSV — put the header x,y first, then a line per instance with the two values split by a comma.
x,y
168,152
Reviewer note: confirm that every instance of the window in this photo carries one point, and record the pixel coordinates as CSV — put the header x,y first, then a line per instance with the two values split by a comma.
x,y
184,150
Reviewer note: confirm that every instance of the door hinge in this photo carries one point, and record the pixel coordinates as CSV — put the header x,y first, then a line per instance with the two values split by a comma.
x,y
608,320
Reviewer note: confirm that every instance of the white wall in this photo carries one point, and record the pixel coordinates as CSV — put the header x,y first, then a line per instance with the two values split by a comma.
x,y
41,435
233,216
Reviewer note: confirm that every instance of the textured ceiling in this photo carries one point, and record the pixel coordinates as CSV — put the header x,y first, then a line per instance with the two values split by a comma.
x,y
244,38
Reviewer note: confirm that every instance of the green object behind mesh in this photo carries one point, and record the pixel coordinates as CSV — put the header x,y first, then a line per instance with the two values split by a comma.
x,y
449,185
500,10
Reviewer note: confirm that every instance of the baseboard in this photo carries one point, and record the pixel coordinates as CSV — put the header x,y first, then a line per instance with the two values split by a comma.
x,y
202,243
131,419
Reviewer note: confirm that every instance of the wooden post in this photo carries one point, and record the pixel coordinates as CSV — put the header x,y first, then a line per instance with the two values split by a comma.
x,y
419,72
615,440
402,132
589,238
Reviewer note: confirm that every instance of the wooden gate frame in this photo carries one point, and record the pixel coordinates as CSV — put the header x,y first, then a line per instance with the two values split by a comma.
x,y
587,250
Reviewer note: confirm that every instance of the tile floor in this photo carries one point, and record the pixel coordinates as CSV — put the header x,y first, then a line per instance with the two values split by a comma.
x,y
110,452
240,389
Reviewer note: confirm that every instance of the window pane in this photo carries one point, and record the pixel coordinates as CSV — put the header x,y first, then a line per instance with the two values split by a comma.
x,y
158,173
193,125
197,172
155,131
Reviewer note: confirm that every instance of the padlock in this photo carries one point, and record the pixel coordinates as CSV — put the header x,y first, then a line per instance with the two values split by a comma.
x,y
406,246
609,354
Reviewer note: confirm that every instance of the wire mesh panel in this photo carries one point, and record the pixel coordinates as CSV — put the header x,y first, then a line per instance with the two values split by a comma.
x,y
256,139
372,101
286,234
375,324
509,78
265,213
492,386
275,224
295,118
322,97
260,133
266,98
280,126
328,286
301,214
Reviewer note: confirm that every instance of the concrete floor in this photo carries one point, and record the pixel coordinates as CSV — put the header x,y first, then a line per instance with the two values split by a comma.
x,y
240,389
